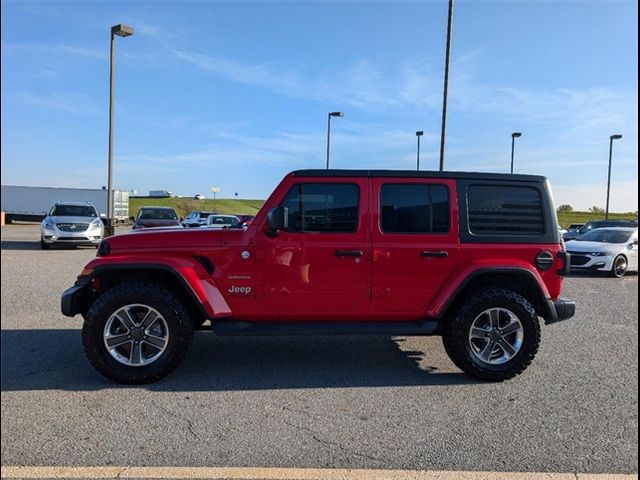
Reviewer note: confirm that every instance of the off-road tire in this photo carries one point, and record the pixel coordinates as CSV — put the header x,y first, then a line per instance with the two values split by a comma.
x,y
166,303
456,334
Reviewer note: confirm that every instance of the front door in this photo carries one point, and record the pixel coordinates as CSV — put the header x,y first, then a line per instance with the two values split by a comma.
x,y
415,243
318,267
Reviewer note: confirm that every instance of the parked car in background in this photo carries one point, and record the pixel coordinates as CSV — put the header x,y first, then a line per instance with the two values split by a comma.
x,y
562,230
587,227
245,219
199,196
574,227
612,250
156,217
223,221
197,218
71,223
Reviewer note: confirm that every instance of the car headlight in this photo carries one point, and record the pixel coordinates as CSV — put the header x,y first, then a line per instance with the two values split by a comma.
x,y
96,223
49,224
607,253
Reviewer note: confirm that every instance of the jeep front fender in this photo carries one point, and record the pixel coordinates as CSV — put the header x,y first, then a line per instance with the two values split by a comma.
x,y
191,273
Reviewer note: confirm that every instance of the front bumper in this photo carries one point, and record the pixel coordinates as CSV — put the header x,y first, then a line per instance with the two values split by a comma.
x,y
584,262
89,237
559,310
75,300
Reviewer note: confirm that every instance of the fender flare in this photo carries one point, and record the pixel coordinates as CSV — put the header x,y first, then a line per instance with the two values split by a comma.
x,y
446,296
190,273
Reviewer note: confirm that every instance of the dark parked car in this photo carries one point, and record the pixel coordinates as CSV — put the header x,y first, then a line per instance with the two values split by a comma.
x,y
156,217
587,227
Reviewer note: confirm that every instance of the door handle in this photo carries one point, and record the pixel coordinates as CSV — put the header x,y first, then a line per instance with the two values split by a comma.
x,y
349,253
434,254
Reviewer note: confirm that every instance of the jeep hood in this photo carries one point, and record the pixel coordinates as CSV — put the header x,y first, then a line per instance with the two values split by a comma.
x,y
176,239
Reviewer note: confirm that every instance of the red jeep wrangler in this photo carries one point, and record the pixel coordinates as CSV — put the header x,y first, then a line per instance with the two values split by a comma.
x,y
476,258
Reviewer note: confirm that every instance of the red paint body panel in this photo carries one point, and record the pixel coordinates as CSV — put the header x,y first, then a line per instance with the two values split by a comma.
x,y
298,277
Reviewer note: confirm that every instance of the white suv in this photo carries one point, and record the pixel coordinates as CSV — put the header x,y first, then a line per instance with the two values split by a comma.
x,y
71,223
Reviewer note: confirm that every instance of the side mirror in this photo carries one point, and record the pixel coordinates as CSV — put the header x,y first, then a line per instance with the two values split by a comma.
x,y
103,215
277,219
635,242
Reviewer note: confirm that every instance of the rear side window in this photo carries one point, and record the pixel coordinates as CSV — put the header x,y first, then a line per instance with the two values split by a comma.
x,y
414,208
505,210
322,207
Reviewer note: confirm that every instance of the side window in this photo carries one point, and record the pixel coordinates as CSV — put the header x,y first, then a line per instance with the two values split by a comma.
x,y
505,210
414,208
323,207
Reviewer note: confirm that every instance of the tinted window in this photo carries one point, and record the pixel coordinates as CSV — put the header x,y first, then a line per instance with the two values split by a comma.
x,y
414,208
157,214
606,236
73,211
505,210
322,207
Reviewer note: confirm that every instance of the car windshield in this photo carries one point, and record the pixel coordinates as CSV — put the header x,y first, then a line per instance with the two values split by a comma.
x,y
606,236
73,211
219,220
157,214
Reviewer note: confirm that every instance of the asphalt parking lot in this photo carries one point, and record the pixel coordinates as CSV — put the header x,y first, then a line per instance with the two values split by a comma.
x,y
347,402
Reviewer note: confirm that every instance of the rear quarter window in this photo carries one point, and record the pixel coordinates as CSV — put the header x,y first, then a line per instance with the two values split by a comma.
x,y
505,210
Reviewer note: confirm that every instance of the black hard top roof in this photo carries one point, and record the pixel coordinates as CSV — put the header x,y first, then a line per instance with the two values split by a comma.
x,y
418,174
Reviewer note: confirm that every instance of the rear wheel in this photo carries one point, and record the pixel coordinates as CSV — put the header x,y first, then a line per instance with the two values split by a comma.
x,y
136,332
619,267
494,335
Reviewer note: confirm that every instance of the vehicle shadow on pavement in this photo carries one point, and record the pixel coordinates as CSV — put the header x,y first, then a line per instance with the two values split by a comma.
x,y
19,245
53,359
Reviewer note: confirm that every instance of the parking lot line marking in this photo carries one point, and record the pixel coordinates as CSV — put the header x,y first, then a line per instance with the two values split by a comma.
x,y
239,473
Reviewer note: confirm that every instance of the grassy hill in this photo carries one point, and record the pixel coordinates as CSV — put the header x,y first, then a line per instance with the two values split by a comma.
x,y
567,218
228,205
185,205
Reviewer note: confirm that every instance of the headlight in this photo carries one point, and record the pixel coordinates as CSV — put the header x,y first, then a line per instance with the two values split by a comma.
x,y
602,254
96,223
49,224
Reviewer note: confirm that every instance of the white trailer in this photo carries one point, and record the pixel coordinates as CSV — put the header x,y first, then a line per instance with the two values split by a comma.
x,y
34,203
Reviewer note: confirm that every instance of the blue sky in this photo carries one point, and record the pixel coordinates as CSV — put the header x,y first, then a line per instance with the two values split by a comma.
x,y
236,94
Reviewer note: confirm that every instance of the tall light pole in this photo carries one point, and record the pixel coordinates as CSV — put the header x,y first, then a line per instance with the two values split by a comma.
x,y
514,135
611,139
121,31
419,133
331,114
446,85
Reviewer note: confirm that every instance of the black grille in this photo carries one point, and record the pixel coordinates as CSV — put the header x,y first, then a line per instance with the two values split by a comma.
x,y
73,227
578,259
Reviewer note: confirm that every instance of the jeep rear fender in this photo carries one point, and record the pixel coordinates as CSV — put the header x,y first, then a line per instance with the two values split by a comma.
x,y
474,272
190,271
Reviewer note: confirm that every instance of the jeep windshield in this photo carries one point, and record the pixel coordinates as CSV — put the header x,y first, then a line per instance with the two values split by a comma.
x,y
606,236
73,211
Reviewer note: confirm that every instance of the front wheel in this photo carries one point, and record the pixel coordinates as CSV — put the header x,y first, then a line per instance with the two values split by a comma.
x,y
136,333
619,267
494,336
44,245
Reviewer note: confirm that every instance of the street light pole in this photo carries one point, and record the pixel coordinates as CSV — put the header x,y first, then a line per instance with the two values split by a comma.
x,y
514,135
121,31
419,133
446,85
611,139
331,114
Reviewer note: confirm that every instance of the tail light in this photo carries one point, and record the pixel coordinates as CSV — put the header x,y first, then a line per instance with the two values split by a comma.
x,y
563,263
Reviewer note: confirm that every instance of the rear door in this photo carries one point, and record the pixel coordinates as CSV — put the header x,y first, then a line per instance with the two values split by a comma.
x,y
415,243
